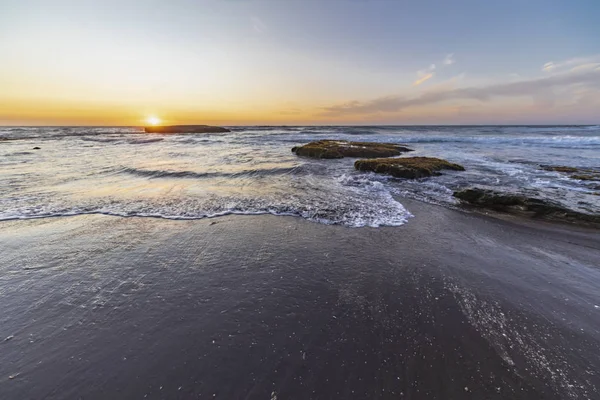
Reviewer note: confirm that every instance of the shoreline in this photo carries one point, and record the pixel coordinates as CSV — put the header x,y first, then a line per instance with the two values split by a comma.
x,y
449,305
523,219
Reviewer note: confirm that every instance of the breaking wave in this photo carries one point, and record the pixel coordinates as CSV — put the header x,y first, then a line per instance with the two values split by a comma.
x,y
373,209
199,175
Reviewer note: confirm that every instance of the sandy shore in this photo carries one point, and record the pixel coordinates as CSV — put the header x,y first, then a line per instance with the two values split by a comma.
x,y
450,305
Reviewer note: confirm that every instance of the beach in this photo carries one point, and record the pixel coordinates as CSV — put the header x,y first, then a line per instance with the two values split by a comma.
x,y
448,305
299,200
224,265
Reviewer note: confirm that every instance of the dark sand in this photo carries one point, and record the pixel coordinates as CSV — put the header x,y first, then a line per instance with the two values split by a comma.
x,y
449,306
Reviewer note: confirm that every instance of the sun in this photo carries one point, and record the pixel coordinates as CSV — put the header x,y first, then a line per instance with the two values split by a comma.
x,y
153,120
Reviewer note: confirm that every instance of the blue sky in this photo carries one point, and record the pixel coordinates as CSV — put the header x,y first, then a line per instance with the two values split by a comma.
x,y
287,61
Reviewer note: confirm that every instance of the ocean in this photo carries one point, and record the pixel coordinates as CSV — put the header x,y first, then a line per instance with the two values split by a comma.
x,y
124,172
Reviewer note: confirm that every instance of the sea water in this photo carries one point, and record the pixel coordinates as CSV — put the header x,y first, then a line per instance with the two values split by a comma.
x,y
123,171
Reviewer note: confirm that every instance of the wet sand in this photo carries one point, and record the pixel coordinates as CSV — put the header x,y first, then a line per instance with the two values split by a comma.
x,y
448,306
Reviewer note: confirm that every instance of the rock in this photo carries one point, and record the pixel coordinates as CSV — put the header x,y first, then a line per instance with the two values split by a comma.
x,y
558,168
582,174
518,204
489,198
343,148
586,177
185,129
407,167
37,148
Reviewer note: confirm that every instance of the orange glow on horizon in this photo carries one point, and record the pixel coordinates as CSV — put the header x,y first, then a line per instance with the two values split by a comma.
x,y
81,112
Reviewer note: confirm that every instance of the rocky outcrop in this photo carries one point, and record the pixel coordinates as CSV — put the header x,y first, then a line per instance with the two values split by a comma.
x,y
185,129
586,177
558,168
407,167
523,205
343,148
582,174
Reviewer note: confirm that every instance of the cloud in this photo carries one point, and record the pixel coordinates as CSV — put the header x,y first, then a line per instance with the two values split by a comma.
x,y
533,87
552,66
549,66
428,73
449,60
587,66
422,79
424,75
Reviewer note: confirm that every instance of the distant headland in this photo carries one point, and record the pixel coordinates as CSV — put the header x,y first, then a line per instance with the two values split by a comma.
x,y
185,129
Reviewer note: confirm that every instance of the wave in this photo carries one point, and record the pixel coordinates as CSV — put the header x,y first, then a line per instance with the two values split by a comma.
x,y
352,222
101,140
144,141
200,175
352,200
377,209
120,139
134,214
24,133
552,141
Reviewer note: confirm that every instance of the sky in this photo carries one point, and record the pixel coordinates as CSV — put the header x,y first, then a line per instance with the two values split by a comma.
x,y
289,62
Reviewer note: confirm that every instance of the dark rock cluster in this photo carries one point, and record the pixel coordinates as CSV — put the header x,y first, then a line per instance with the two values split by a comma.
x,y
381,158
377,157
518,204
407,167
343,148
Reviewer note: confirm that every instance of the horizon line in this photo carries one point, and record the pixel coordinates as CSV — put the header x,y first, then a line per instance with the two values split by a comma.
x,y
290,125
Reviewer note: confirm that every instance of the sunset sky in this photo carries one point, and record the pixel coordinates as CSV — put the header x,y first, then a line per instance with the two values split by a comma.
x,y
236,62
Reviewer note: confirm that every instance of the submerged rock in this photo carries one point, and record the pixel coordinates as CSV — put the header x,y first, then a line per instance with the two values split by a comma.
x,y
343,148
518,204
408,167
185,129
582,174
559,168
586,177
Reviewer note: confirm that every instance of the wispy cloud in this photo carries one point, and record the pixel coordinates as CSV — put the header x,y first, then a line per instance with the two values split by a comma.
x,y
532,87
428,73
549,66
587,66
577,62
422,79
424,75
449,60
